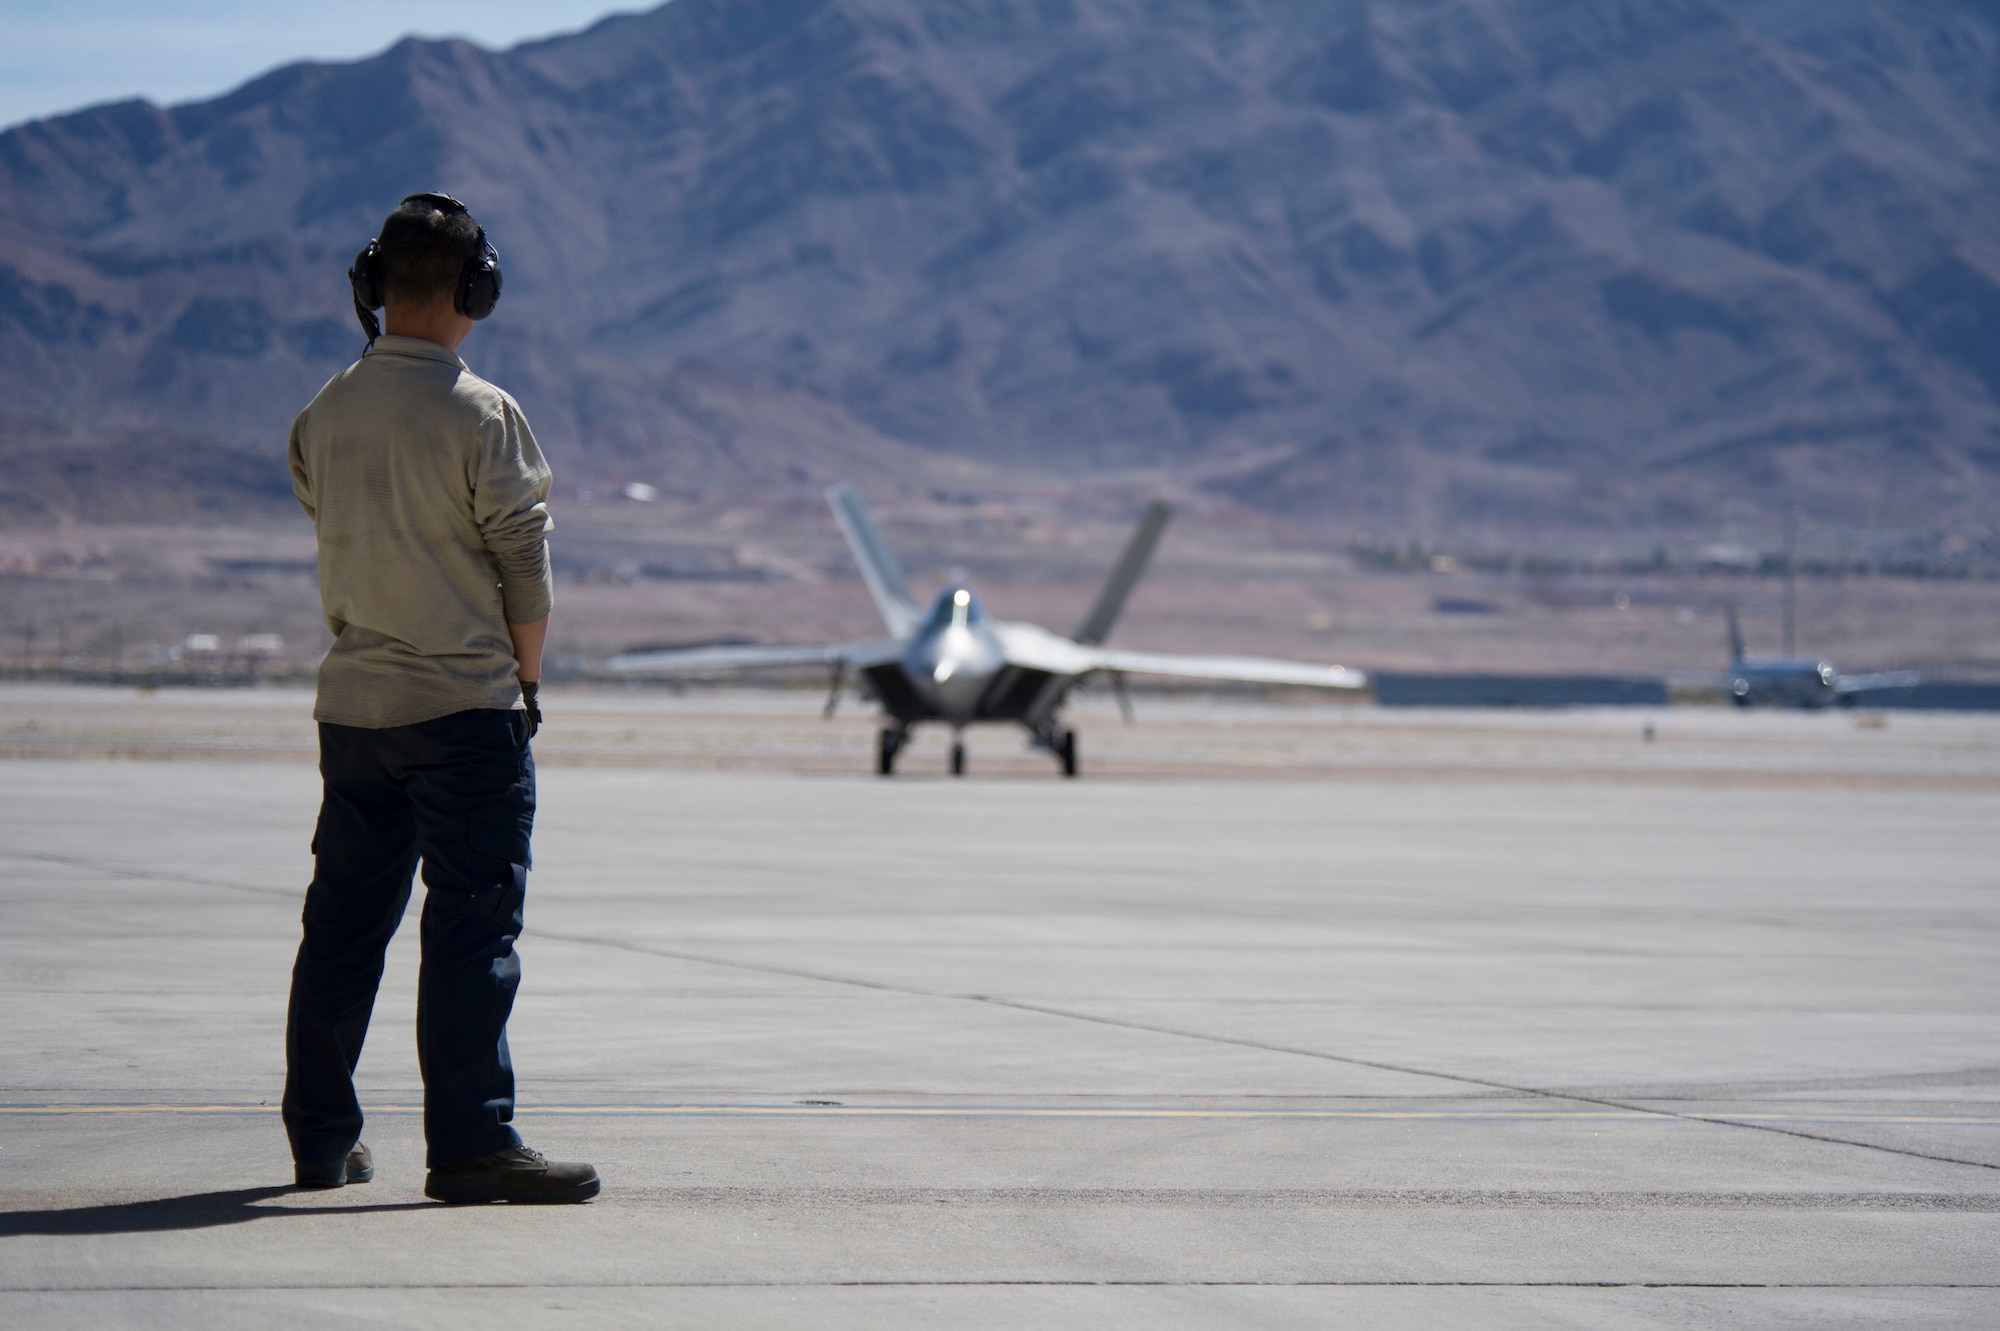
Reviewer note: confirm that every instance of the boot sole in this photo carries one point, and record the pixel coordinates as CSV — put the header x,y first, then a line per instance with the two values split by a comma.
x,y
324,1179
451,1188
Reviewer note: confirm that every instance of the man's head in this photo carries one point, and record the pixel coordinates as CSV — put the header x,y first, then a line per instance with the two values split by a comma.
x,y
432,270
425,245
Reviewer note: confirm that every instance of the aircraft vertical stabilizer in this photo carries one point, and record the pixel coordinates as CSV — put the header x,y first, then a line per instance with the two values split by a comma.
x,y
1096,625
879,568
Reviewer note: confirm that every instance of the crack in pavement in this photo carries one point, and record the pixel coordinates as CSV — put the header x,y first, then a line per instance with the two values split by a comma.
x,y
1019,1005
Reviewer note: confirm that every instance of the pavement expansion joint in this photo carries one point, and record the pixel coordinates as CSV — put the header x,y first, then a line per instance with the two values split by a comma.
x,y
829,1110
1029,1283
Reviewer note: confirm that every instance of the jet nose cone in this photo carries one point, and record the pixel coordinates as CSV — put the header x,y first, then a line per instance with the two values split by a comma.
x,y
953,670
957,689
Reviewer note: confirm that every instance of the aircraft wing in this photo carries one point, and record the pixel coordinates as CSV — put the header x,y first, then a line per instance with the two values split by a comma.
x,y
694,660
1709,679
1031,647
1700,679
1887,679
1246,669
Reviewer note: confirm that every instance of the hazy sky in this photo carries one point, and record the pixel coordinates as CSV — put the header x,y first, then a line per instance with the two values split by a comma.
x,y
58,55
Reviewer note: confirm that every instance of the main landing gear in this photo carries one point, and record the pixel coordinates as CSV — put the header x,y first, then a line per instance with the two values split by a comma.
x,y
887,745
1061,743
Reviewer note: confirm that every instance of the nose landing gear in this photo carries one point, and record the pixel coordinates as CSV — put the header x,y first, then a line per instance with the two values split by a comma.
x,y
957,756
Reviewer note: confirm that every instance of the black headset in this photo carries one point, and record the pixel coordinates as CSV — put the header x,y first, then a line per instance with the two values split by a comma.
x,y
478,289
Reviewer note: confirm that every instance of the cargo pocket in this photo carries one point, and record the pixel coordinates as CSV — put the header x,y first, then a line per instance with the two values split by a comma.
x,y
503,833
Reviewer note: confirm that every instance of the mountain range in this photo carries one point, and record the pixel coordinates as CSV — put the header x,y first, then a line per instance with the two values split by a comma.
x,y
1579,263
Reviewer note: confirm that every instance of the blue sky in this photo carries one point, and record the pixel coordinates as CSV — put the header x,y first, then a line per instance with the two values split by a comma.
x,y
58,55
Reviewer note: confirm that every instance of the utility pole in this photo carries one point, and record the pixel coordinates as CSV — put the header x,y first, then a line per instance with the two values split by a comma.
x,y
1791,581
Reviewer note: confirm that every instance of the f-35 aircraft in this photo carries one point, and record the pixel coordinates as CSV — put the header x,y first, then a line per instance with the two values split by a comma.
x,y
1796,681
957,665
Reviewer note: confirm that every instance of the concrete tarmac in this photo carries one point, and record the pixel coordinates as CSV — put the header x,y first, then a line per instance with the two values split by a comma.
x,y
1005,1053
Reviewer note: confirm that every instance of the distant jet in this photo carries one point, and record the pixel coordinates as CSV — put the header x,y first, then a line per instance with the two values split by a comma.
x,y
957,665
1796,681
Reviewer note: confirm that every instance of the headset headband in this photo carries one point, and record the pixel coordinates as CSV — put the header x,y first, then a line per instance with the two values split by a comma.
x,y
444,203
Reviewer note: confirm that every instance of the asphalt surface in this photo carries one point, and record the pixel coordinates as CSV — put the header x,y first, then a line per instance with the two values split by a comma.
x,y
1016,1053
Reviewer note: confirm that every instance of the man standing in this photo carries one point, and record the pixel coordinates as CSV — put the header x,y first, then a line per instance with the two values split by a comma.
x,y
427,492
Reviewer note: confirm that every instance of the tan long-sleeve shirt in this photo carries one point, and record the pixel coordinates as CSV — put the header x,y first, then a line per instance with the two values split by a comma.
x,y
429,496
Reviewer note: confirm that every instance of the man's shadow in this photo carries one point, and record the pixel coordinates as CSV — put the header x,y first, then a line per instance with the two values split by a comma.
x,y
201,1210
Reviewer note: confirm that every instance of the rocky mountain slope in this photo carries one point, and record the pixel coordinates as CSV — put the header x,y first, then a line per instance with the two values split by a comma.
x,y
1431,262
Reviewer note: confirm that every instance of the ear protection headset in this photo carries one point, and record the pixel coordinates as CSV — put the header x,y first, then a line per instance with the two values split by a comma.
x,y
478,289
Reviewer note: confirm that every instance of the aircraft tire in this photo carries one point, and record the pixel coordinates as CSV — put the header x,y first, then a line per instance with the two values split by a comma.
x,y
957,759
885,753
1066,750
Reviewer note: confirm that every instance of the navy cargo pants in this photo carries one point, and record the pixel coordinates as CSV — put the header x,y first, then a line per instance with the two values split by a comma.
x,y
459,794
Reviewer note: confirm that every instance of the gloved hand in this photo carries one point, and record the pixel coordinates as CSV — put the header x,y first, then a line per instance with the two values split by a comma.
x,y
530,700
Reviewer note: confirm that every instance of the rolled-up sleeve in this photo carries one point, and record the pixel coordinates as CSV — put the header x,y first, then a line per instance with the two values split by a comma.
x,y
510,491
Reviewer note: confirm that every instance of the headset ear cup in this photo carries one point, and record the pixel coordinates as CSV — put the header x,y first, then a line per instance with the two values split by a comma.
x,y
364,279
366,276
479,283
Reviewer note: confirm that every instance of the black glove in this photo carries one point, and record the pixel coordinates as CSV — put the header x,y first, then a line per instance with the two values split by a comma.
x,y
530,701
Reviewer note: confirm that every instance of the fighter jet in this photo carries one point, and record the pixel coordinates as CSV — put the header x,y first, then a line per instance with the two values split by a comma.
x,y
1796,681
957,665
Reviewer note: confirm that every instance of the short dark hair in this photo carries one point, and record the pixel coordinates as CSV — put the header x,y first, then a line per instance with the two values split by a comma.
x,y
424,248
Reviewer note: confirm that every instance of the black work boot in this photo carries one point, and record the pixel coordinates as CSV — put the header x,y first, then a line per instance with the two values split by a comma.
x,y
358,1167
517,1174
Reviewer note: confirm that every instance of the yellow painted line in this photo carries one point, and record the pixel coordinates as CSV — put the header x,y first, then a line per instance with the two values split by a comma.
x,y
976,1111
